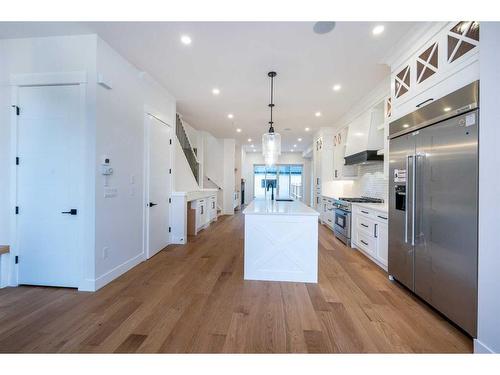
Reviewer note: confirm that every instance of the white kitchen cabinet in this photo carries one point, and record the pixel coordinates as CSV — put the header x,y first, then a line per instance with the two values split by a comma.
x,y
326,212
340,170
322,162
382,242
370,233
446,61
201,212
212,208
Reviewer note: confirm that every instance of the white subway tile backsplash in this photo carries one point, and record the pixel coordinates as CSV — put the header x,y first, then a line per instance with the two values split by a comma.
x,y
371,182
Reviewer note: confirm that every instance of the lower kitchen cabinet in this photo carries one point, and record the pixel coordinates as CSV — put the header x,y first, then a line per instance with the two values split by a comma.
x,y
370,233
201,212
326,212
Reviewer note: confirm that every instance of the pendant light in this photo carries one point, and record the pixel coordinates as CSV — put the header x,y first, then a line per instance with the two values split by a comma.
x,y
271,141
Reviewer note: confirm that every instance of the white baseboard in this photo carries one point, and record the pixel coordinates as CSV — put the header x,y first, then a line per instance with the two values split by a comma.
x,y
89,285
480,348
177,240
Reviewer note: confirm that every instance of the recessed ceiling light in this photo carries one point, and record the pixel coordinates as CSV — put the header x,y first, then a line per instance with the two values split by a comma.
x,y
215,91
254,150
186,39
379,29
447,109
249,139
294,145
406,125
337,87
317,114
307,129
299,139
252,145
238,130
230,115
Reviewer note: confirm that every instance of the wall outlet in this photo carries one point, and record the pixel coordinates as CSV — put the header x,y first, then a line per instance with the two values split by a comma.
x,y
105,251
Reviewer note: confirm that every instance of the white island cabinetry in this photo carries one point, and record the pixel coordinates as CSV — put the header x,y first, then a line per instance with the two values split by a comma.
x,y
281,242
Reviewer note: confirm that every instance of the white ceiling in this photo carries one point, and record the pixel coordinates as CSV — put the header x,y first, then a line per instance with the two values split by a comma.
x,y
236,56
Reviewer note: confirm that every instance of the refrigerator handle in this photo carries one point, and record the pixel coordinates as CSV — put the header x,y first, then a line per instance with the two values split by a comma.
x,y
413,195
408,157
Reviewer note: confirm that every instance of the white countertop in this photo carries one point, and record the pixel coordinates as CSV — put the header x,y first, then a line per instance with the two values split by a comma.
x,y
380,207
268,207
196,194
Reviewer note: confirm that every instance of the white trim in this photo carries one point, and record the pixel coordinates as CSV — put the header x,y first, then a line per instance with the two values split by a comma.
x,y
48,79
111,275
480,348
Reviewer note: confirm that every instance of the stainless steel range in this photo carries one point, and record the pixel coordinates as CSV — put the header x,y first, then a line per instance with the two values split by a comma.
x,y
342,226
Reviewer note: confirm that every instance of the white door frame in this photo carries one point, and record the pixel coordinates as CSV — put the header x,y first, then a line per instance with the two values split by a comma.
x,y
47,79
148,114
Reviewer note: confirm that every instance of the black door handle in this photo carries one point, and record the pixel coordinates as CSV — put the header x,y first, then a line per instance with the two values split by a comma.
x,y
73,211
151,204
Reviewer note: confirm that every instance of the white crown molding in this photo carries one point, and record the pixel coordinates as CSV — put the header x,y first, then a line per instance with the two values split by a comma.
x,y
411,42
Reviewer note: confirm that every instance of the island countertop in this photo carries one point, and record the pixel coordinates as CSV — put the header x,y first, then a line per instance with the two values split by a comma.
x,y
268,207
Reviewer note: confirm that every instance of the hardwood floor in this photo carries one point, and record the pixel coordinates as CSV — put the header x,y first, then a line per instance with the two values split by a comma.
x,y
193,299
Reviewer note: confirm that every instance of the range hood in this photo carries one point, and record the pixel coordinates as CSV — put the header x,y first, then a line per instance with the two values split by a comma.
x,y
365,138
364,157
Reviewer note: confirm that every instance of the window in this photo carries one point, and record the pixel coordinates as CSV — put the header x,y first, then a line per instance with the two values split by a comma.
x,y
286,179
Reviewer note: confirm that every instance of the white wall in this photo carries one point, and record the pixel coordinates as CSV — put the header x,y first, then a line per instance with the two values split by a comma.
x,y
228,176
120,114
37,56
115,128
251,158
213,157
488,338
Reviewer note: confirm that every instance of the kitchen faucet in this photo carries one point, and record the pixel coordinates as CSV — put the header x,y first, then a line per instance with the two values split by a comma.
x,y
271,184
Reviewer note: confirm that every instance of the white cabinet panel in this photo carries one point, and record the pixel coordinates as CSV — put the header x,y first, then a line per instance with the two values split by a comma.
x,y
370,233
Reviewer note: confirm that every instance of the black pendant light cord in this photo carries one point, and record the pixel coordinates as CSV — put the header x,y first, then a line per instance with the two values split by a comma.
x,y
271,105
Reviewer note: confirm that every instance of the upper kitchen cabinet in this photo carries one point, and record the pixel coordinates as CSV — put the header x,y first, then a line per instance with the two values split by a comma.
x,y
340,170
445,59
365,137
322,162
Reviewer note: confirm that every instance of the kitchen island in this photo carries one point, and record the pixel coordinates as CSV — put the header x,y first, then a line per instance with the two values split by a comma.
x,y
281,241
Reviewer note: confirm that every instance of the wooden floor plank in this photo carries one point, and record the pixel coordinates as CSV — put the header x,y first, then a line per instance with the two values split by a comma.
x,y
193,299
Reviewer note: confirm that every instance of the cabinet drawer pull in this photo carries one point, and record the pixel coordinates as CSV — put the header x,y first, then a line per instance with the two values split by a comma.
x,y
366,226
366,243
382,217
425,101
365,212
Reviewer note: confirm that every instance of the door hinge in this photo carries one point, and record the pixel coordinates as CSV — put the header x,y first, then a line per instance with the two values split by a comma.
x,y
170,171
18,110
16,259
17,210
169,229
17,160
169,200
170,141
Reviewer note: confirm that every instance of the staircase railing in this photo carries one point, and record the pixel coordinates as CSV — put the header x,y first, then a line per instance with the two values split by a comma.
x,y
187,148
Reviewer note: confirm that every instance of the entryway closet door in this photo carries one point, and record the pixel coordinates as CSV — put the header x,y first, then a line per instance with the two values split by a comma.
x,y
49,190
158,174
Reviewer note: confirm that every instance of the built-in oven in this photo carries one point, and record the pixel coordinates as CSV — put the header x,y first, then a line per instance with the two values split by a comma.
x,y
342,227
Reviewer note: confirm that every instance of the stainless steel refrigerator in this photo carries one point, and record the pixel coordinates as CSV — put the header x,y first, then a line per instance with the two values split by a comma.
x,y
433,204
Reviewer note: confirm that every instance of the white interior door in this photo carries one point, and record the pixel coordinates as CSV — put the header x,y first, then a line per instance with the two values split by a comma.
x,y
49,183
158,185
